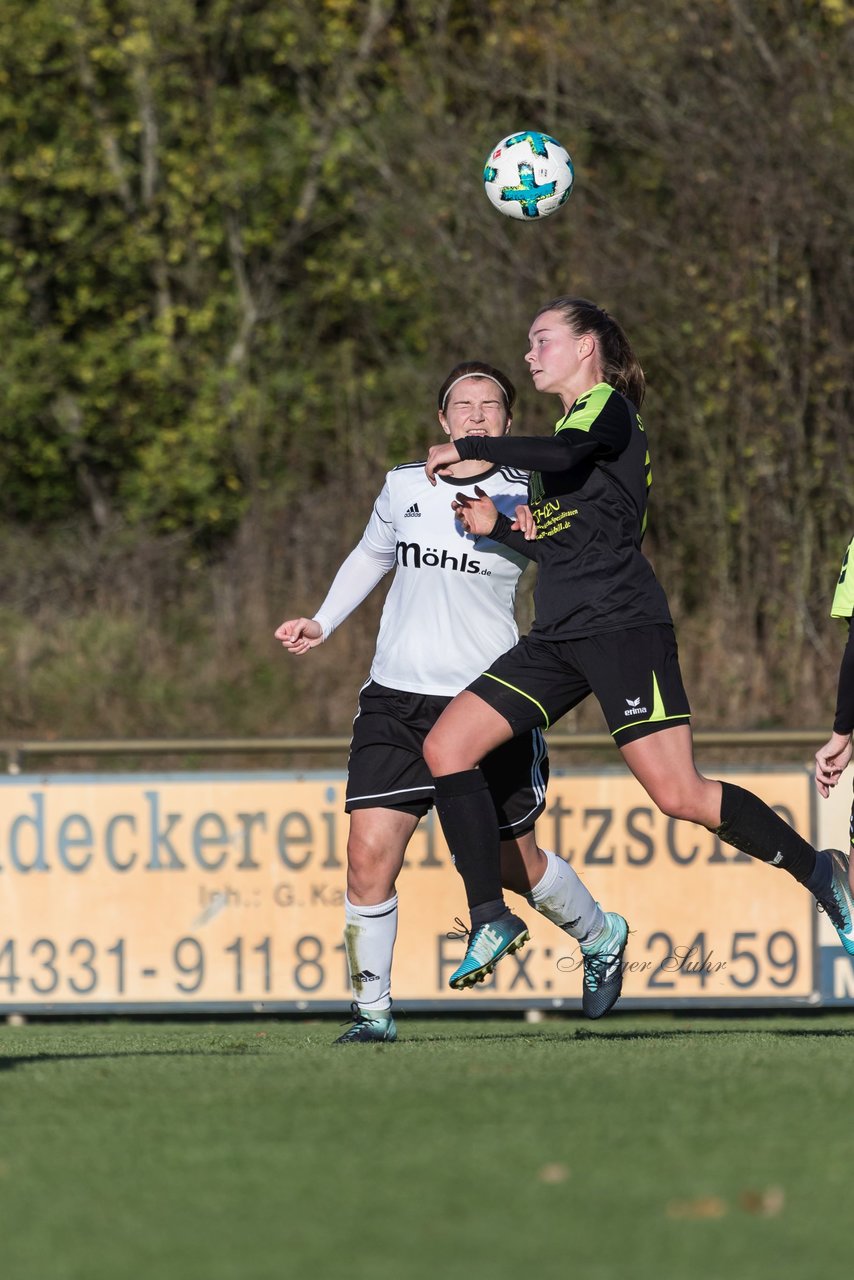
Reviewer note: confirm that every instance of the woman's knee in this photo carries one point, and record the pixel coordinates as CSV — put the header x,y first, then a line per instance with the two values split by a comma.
x,y
444,753
466,731
433,751
686,803
370,869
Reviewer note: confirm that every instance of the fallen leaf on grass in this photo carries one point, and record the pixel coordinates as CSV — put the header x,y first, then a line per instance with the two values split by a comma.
x,y
765,1204
702,1207
553,1173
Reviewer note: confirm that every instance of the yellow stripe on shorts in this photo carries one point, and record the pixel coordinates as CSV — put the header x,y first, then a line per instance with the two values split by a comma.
x,y
522,694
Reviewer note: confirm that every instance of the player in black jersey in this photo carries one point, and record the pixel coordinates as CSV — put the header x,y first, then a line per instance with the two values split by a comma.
x,y
602,626
423,657
832,759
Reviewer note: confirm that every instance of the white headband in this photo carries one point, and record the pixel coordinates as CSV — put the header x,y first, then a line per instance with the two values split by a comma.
x,y
463,377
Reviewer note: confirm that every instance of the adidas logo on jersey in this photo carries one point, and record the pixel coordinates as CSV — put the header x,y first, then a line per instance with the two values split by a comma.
x,y
413,511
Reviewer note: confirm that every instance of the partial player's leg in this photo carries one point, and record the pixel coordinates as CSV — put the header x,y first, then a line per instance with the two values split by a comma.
x,y
557,892
375,851
637,680
517,775
663,763
509,699
467,731
388,789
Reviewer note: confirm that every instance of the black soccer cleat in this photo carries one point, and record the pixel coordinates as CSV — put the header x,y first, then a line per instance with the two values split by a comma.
x,y
603,967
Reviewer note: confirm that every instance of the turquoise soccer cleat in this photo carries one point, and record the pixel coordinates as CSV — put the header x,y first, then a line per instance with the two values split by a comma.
x,y
487,945
373,1027
603,967
838,902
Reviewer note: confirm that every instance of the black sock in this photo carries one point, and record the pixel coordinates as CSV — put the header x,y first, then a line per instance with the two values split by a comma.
x,y
750,825
822,877
470,824
487,912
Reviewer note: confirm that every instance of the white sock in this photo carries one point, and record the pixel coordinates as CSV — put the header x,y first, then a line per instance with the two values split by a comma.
x,y
561,897
369,934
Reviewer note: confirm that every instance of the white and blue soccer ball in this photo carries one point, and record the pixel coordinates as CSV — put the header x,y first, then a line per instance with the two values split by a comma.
x,y
528,175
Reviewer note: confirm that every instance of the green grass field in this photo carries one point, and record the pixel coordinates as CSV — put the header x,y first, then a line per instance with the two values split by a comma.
x,y
642,1146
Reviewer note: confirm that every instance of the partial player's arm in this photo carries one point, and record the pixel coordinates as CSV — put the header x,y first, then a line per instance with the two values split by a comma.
x,y
843,722
513,535
480,516
365,566
528,453
603,432
535,453
525,523
832,759
298,635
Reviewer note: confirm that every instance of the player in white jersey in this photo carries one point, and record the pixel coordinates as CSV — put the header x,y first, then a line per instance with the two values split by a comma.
x,y
448,612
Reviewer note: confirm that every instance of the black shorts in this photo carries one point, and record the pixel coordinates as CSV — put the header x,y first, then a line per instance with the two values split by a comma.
x,y
634,675
386,769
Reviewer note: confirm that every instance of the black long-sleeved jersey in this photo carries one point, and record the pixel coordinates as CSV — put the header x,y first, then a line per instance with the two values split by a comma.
x,y
844,719
588,494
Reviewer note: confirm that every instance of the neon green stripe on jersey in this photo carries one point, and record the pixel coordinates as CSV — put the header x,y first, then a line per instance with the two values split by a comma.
x,y
647,469
586,409
843,599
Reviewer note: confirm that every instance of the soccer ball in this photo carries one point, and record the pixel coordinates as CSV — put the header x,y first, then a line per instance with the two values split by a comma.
x,y
528,175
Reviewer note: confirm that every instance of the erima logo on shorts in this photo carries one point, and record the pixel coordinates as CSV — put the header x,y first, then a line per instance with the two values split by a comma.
x,y
410,555
634,708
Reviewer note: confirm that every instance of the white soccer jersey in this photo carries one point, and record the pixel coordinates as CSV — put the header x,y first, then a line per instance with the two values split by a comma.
x,y
449,611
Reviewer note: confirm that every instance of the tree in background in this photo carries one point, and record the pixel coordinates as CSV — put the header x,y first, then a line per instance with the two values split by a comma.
x,y
237,241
